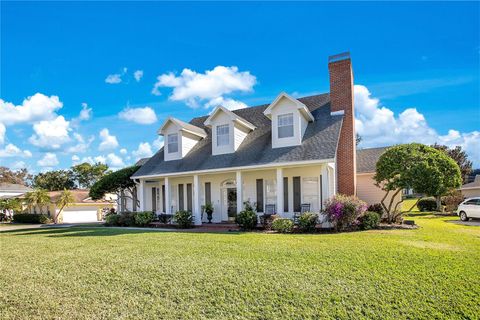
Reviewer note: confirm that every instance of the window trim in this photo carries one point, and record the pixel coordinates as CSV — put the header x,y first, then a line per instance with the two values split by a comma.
x,y
284,115
170,142
227,134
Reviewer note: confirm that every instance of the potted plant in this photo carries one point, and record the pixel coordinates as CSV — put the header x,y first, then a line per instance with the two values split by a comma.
x,y
209,210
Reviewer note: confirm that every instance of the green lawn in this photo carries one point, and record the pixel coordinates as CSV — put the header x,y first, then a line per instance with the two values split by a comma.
x,y
432,272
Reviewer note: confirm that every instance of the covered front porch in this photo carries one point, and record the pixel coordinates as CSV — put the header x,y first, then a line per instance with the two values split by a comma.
x,y
282,189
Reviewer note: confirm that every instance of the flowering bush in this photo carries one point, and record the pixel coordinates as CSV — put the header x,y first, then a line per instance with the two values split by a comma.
x,y
344,211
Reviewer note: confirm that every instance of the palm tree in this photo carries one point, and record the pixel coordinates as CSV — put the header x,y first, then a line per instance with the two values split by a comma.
x,y
37,198
66,198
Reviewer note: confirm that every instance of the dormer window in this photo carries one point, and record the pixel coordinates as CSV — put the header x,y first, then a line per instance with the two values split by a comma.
x,y
172,143
223,133
285,125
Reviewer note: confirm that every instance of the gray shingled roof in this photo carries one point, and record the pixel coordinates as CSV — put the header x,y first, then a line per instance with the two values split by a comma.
x,y
141,161
319,142
190,127
367,159
474,184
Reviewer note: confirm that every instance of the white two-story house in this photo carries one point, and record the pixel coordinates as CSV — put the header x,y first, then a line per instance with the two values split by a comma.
x,y
283,154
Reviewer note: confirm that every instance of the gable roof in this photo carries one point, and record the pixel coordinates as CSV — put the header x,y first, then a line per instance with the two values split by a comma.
x,y
14,187
319,143
367,159
184,126
231,115
141,161
300,106
472,185
79,196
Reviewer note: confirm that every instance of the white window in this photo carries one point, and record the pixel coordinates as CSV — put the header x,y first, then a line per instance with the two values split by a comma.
x,y
270,191
223,135
310,192
285,125
172,143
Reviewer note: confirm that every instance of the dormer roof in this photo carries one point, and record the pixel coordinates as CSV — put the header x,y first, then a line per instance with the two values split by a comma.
x,y
296,103
234,117
184,126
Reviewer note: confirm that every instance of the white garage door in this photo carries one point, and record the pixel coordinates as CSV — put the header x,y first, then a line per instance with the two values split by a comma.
x,y
79,215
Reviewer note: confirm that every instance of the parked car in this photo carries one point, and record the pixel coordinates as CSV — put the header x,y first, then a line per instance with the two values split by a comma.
x,y
470,208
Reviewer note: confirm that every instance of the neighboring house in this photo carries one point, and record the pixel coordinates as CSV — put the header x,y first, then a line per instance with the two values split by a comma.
x,y
82,210
471,189
366,165
12,190
284,154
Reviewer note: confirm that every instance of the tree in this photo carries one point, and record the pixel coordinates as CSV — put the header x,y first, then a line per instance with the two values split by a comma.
x,y
86,174
54,180
13,204
423,168
460,157
66,198
37,198
20,176
358,139
118,182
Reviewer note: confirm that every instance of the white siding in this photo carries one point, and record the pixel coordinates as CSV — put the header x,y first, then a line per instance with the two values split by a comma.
x,y
188,142
170,129
240,133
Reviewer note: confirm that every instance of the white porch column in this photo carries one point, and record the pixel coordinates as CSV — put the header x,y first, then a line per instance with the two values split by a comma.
x,y
196,201
141,195
325,186
239,191
279,191
332,179
167,196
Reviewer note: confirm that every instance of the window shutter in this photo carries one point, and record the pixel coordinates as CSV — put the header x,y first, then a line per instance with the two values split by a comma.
x,y
154,199
163,199
180,197
296,194
285,194
208,193
189,197
259,195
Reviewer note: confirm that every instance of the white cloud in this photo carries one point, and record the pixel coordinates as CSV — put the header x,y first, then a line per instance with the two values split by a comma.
x,y
138,75
230,104
51,134
144,115
116,77
49,160
114,161
379,126
123,151
34,108
144,151
82,146
75,158
2,133
158,143
113,78
85,113
195,88
12,150
108,141
18,165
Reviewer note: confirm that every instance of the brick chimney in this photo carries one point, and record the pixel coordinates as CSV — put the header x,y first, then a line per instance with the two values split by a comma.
x,y
341,102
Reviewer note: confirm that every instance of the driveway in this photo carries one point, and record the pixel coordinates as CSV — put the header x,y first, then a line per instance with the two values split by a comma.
x,y
471,222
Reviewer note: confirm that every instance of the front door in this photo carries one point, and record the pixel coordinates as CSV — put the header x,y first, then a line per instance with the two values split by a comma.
x,y
232,202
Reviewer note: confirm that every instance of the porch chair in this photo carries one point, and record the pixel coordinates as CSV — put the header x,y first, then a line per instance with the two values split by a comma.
x,y
270,210
304,207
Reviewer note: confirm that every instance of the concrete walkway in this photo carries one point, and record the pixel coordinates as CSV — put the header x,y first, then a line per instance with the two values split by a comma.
x,y
471,222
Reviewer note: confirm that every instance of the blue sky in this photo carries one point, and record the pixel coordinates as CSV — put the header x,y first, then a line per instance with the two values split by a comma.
x,y
416,68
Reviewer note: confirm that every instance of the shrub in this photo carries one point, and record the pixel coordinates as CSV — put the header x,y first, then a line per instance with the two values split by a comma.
x,y
184,219
427,204
31,218
267,220
377,207
112,220
143,219
307,221
126,219
452,200
282,225
165,218
343,211
246,220
370,220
